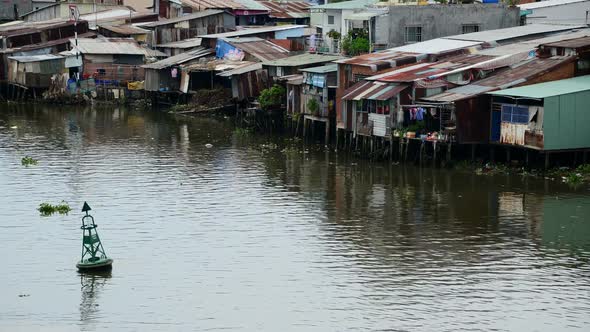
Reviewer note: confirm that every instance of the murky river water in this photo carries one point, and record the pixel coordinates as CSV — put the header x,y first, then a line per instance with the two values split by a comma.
x,y
250,238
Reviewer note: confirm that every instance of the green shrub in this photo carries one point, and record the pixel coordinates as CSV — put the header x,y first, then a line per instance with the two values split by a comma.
x,y
273,96
313,106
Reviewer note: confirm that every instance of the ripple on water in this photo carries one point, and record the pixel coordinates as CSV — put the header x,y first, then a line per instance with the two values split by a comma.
x,y
236,238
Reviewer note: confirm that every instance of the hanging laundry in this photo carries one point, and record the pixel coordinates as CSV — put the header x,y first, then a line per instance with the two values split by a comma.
x,y
420,114
174,72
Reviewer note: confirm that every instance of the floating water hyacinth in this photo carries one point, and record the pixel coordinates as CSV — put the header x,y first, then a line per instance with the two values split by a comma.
x,y
28,161
47,209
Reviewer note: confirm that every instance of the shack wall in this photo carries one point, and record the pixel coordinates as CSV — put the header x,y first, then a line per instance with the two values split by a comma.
x,y
566,123
193,28
473,120
7,8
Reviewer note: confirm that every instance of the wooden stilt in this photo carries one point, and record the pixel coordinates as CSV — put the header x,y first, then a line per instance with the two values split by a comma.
x,y
406,149
390,149
492,154
327,137
547,160
508,154
449,148
473,152
304,127
434,152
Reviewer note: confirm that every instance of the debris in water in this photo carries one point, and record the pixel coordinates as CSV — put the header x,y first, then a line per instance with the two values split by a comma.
x,y
47,209
13,127
28,161
208,145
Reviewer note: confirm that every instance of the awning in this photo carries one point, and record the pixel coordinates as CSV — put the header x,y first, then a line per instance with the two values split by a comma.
x,y
373,91
362,16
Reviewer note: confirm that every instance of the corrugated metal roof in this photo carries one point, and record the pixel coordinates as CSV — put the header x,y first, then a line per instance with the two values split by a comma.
x,y
35,58
187,43
295,79
499,35
533,44
219,65
262,49
180,58
435,46
253,31
548,3
288,9
459,93
372,91
321,69
224,4
154,53
194,16
124,29
514,75
433,70
354,4
107,46
302,59
241,70
548,89
383,60
251,5
571,43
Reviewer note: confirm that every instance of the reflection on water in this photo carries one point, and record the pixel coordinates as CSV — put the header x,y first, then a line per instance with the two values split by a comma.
x,y
91,287
244,237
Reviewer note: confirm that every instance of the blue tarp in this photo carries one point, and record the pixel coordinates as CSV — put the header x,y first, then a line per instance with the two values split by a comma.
x,y
222,48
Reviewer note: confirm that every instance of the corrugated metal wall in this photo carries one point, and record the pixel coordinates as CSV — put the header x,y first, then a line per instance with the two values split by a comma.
x,y
567,121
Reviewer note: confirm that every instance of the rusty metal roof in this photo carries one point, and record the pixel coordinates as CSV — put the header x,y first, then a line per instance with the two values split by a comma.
x,y
571,43
373,91
253,31
288,9
107,46
180,58
261,49
16,28
433,70
302,60
383,60
223,4
186,43
194,16
220,65
125,29
502,79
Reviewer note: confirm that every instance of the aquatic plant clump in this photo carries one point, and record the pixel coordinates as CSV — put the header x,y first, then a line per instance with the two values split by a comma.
x,y
47,209
28,161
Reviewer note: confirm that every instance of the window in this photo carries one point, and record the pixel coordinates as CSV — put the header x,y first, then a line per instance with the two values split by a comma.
x,y
330,19
413,34
515,114
469,28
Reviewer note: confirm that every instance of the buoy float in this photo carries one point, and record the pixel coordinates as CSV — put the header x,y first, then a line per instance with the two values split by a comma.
x,y
93,257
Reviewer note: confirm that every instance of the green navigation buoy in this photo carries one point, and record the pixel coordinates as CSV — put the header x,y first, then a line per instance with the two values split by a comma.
x,y
93,256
